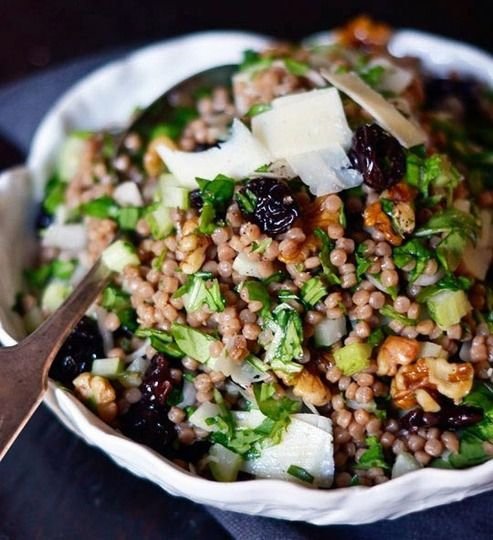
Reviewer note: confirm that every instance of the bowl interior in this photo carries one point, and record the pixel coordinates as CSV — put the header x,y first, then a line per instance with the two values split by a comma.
x,y
106,98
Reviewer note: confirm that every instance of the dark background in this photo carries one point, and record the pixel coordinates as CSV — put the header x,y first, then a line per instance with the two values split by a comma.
x,y
51,484
35,34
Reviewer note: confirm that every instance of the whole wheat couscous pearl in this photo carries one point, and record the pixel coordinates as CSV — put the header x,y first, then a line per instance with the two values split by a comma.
x,y
346,244
357,431
387,439
111,322
116,352
387,264
351,390
364,379
348,281
402,304
377,300
338,257
362,329
343,479
338,402
422,457
312,262
361,297
425,327
335,231
344,418
344,382
220,236
186,435
374,426
363,394
333,300
413,311
176,415
332,203
251,331
399,446
383,249
333,374
389,278
415,443
363,313
361,416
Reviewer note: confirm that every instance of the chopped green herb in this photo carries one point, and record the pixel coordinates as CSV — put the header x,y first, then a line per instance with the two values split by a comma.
x,y
295,67
247,200
37,278
287,341
102,208
313,291
201,289
391,313
376,337
261,246
253,61
192,342
258,108
161,341
412,251
372,75
257,292
54,194
373,456
451,220
329,269
362,263
216,195
301,474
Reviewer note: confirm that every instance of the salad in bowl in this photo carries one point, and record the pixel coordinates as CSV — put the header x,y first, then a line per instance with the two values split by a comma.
x,y
301,263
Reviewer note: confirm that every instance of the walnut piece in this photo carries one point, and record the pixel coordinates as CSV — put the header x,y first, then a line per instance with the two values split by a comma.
x,y
395,351
98,393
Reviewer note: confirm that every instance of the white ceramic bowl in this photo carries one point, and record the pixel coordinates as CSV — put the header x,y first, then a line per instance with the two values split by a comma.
x,y
107,97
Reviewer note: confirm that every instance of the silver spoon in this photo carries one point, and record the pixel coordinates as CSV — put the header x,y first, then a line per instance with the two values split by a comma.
x,y
24,367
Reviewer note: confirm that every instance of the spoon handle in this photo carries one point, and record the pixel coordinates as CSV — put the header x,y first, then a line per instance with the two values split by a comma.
x,y
24,367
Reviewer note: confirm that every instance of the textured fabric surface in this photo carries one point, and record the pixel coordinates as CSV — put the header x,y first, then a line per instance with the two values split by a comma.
x,y
22,106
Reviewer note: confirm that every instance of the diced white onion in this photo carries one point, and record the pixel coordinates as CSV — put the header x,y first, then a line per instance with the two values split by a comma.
x,y
70,237
247,267
428,349
385,114
243,374
240,155
325,171
188,395
302,123
404,463
329,331
128,194
205,411
108,341
425,280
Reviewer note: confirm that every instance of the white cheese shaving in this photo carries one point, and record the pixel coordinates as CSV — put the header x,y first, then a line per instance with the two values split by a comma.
x,y
325,171
240,155
384,113
302,123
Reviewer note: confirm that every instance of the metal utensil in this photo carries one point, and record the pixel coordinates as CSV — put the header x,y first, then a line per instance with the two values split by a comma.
x,y
24,367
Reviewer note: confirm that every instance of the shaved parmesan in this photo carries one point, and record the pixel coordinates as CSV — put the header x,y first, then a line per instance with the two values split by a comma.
x,y
384,113
71,237
240,155
325,171
307,443
395,79
302,123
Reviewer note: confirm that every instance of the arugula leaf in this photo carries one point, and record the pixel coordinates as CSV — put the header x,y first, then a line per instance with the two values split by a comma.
x,y
201,289
329,269
372,75
435,170
450,250
373,457
448,282
287,342
192,342
313,291
257,292
118,301
451,220
274,407
216,195
413,250
102,207
54,194
161,341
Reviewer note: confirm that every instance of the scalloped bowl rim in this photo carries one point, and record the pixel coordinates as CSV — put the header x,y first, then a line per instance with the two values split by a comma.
x,y
275,498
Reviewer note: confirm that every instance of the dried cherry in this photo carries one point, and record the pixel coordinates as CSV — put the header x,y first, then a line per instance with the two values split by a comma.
x,y
83,345
378,156
268,203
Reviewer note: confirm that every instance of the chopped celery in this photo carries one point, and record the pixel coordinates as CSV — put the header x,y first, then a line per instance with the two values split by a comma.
x,y
54,295
108,367
328,331
70,155
448,307
159,221
120,254
353,358
224,464
173,196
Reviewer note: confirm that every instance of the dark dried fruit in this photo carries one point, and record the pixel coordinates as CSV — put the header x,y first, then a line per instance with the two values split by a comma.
x,y
157,384
149,425
439,93
83,345
378,156
450,417
196,199
268,203
147,421
43,219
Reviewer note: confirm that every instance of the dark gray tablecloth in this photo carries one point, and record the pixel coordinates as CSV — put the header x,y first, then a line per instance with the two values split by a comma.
x,y
54,486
